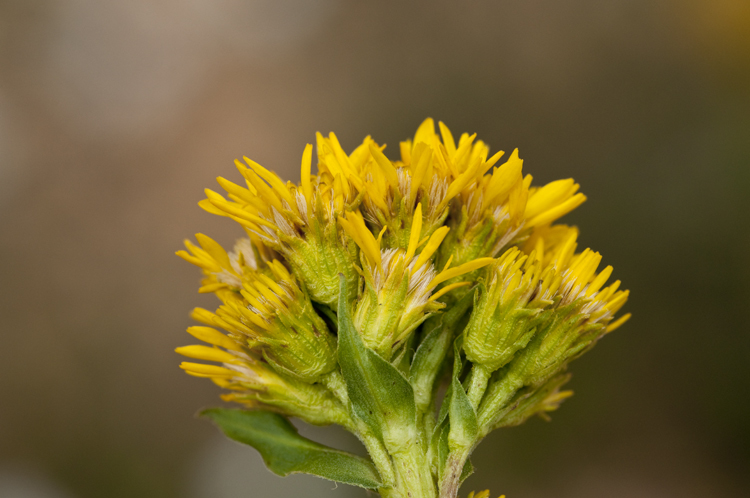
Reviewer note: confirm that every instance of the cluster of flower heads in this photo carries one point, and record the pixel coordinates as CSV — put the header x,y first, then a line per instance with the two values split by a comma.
x,y
410,236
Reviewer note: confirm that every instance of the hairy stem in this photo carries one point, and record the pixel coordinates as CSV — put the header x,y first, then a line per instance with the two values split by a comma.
x,y
498,396
426,374
454,465
480,375
379,455
413,476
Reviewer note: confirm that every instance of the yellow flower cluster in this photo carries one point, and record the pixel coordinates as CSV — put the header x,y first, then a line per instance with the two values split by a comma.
x,y
409,236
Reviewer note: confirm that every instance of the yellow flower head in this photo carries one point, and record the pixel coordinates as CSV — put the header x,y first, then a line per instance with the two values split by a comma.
x,y
265,311
518,288
249,377
399,283
573,278
296,221
458,185
411,236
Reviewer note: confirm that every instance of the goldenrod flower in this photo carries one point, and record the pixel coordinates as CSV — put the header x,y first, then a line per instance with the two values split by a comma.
x,y
253,383
296,221
520,287
503,321
532,401
344,300
276,318
399,284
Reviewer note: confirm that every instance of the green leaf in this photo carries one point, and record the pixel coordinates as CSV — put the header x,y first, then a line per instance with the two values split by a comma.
x,y
463,419
466,471
286,452
442,449
380,395
445,406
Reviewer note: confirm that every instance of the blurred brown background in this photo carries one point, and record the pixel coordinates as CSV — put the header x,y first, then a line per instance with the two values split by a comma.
x,y
115,115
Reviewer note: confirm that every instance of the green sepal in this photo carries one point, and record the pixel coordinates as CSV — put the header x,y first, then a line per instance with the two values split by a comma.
x,y
285,452
464,428
380,395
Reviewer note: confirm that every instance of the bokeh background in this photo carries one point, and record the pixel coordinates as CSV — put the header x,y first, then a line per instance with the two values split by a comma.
x,y
115,115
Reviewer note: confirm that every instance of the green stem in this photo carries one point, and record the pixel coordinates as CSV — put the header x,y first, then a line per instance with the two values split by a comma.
x,y
454,466
336,384
426,367
499,396
480,376
379,455
426,427
413,476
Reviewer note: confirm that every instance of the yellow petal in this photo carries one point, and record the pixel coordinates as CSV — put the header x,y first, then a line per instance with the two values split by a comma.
x,y
206,205
424,153
447,289
435,240
208,370
618,323
234,210
206,353
459,270
385,166
549,196
235,189
599,281
213,336
558,211
416,230
425,132
215,250
450,144
273,180
305,177
355,226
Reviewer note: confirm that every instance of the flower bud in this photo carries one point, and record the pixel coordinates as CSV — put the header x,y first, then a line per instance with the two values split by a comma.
x,y
532,401
271,314
254,383
502,321
279,316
